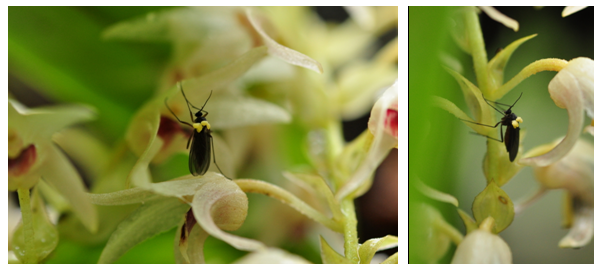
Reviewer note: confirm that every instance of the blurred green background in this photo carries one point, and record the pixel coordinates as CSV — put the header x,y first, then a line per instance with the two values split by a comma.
x,y
56,54
447,157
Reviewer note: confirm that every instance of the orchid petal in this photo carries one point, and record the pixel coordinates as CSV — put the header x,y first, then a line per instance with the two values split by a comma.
x,y
368,249
59,173
39,124
282,52
123,197
482,247
582,229
572,89
572,9
178,24
501,18
496,66
150,219
393,259
384,140
329,255
221,204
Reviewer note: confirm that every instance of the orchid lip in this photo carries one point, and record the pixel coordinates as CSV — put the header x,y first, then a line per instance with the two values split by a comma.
x,y
23,162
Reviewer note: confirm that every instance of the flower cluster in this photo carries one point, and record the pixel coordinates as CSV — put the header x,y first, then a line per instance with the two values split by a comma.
x,y
267,69
566,163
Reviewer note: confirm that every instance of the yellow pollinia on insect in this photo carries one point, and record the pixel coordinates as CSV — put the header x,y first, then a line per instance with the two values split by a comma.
x,y
199,126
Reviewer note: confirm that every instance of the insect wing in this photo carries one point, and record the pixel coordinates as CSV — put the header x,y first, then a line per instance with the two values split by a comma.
x,y
506,139
199,153
512,141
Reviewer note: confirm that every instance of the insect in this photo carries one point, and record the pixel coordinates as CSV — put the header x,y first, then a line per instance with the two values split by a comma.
x,y
512,134
201,139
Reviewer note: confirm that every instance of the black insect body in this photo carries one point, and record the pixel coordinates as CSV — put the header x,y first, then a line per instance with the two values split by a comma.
x,y
512,122
201,139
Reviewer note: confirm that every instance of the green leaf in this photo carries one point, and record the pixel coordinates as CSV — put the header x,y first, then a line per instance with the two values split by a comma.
x,y
45,236
498,63
494,202
148,220
329,255
368,249
473,97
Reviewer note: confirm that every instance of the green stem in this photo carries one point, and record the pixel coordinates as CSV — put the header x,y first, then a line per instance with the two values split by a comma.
x,y
28,226
334,139
351,230
478,50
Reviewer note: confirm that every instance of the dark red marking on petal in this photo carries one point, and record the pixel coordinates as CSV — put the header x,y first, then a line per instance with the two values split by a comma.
x,y
22,163
391,122
169,128
190,221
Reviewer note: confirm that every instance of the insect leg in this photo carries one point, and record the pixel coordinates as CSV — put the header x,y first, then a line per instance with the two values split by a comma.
x,y
489,136
171,111
487,126
481,123
212,144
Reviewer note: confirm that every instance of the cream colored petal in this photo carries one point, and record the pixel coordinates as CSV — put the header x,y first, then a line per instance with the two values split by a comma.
x,y
582,229
363,16
368,249
59,173
177,24
360,83
570,10
501,18
383,142
198,89
122,197
572,89
195,245
282,52
39,124
482,247
221,205
236,110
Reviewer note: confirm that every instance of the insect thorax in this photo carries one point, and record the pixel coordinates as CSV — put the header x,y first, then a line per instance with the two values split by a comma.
x,y
200,125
